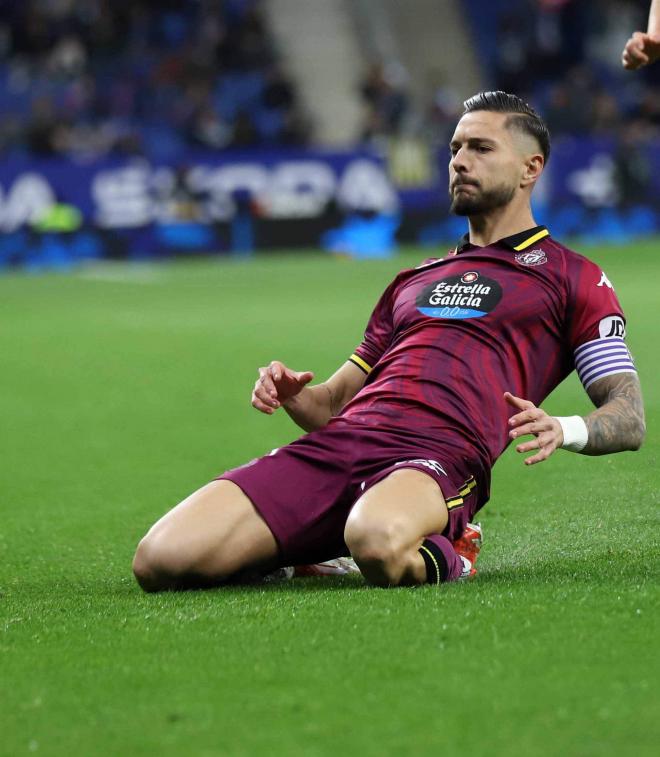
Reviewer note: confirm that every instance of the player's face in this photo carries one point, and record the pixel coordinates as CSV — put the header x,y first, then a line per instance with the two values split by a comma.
x,y
485,165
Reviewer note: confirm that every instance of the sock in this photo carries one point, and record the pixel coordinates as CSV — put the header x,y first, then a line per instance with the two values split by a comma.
x,y
442,562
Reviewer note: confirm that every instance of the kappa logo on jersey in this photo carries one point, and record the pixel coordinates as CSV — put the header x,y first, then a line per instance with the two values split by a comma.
x,y
468,295
533,257
432,464
604,281
613,325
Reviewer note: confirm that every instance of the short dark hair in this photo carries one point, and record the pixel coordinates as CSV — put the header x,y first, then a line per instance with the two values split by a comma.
x,y
523,116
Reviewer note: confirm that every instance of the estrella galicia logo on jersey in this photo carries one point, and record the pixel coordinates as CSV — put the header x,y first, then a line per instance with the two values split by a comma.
x,y
533,257
468,295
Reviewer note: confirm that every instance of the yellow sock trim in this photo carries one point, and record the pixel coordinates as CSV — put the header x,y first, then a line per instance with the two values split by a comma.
x,y
435,562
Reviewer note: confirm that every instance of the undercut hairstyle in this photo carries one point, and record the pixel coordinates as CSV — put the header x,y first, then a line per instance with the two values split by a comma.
x,y
523,117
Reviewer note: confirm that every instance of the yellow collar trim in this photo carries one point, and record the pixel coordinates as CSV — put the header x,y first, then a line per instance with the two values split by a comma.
x,y
532,239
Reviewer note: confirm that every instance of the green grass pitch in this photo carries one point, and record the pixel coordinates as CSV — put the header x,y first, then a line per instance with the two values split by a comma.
x,y
122,389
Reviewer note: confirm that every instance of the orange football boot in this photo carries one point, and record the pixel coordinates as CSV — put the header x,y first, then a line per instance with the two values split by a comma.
x,y
467,546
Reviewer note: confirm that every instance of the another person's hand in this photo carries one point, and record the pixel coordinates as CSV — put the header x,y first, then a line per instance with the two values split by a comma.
x,y
276,385
640,50
532,420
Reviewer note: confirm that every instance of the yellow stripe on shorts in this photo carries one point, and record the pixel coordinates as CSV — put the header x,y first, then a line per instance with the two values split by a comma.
x,y
454,502
467,487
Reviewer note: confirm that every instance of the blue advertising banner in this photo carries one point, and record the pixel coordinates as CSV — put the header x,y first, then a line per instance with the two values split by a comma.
x,y
231,201
125,194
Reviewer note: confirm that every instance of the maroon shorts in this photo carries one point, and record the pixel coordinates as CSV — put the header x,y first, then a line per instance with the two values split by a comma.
x,y
305,491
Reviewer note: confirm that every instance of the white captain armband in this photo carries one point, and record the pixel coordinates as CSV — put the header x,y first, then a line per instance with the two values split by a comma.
x,y
602,357
576,434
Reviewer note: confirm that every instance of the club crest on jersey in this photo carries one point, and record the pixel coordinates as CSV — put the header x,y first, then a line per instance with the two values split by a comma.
x,y
467,295
531,257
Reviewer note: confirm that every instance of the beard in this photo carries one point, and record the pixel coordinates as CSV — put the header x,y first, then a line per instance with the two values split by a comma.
x,y
482,201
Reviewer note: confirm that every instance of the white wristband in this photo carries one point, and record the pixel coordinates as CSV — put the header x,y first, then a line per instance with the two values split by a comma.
x,y
576,434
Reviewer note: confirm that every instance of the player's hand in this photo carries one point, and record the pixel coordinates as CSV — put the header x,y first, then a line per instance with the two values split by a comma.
x,y
547,431
277,384
640,50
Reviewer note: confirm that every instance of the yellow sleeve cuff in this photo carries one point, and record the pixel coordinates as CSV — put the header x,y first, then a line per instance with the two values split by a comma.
x,y
361,364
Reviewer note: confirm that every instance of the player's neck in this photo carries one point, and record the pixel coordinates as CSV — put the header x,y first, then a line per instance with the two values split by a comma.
x,y
499,224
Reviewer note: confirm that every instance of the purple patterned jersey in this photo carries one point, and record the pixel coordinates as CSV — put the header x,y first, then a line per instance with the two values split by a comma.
x,y
448,338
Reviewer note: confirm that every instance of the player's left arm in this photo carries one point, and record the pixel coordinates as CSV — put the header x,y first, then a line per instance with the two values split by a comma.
x,y
616,425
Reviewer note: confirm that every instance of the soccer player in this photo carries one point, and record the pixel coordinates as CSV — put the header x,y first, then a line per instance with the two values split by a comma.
x,y
457,357
644,48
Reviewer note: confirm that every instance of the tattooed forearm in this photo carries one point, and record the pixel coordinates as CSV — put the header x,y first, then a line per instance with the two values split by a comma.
x,y
618,423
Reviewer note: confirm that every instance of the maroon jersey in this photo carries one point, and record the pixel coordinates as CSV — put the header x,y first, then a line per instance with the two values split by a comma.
x,y
448,338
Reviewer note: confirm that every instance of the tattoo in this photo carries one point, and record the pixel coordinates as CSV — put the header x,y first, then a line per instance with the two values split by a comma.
x,y
618,423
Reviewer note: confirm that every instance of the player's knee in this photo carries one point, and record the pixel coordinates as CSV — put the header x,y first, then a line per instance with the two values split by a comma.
x,y
378,550
157,564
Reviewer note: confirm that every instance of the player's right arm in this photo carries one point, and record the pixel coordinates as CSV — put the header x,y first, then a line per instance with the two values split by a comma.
x,y
310,407
643,48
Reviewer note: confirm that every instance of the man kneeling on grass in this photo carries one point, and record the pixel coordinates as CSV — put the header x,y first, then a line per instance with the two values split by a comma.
x,y
458,354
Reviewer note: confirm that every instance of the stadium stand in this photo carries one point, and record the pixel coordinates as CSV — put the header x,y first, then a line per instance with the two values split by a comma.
x,y
142,77
234,125
564,56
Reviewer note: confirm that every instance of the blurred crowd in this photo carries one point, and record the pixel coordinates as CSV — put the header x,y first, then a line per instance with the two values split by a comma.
x,y
155,77
563,56
141,76
566,57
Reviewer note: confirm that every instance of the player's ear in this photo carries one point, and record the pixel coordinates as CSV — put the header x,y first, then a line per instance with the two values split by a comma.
x,y
532,169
